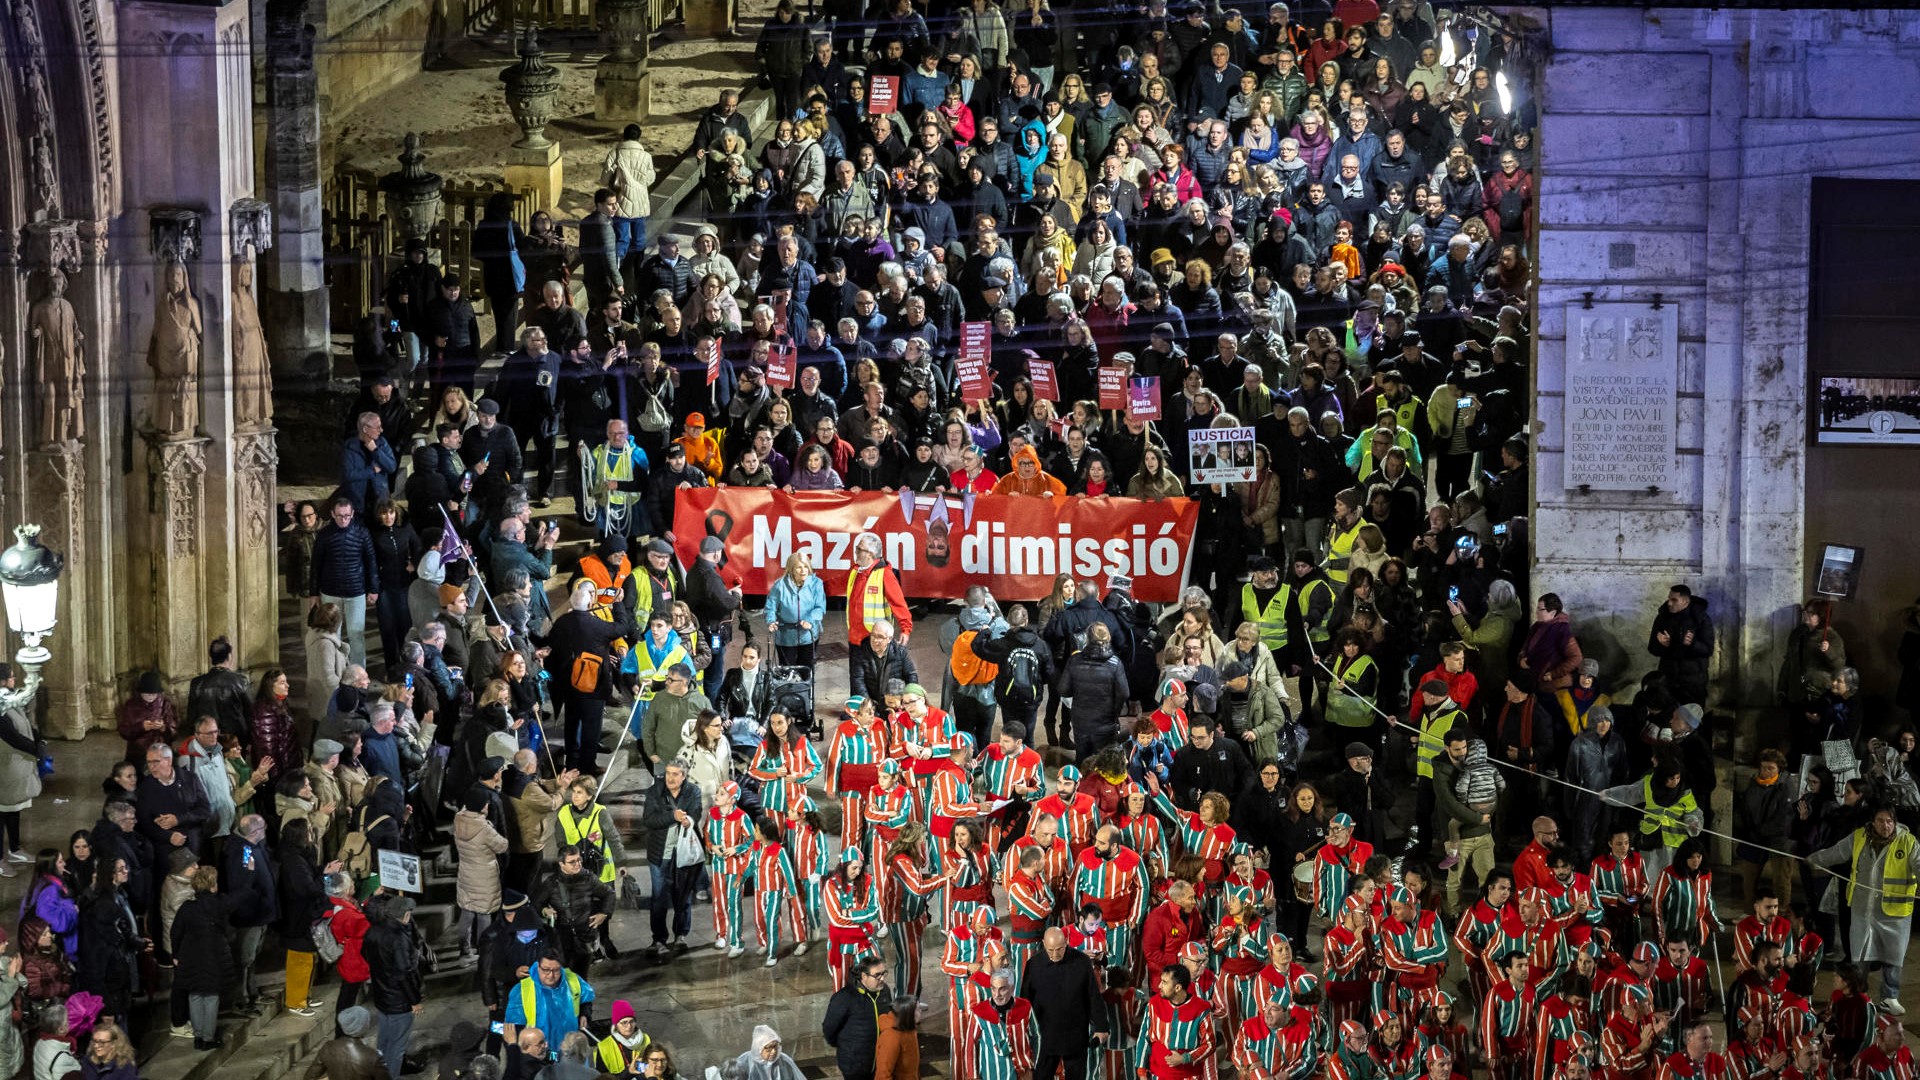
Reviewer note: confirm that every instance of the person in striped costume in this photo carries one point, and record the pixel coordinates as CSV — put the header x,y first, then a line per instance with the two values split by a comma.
x,y
1113,877
1030,904
1681,986
1282,978
927,733
853,915
854,752
1203,833
1615,981
1476,929
1440,1026
1045,838
729,836
903,903
1792,1018
1888,1058
1337,864
1809,1063
1620,879
972,952
1570,894
1347,953
1240,944
778,890
1752,1054
1561,1018
951,797
785,764
1352,1059
1141,829
1010,769
1695,1060
1507,1019
1760,984
1176,1031
1243,872
1765,924
1206,982
1076,812
806,843
1395,1049
1126,1004
1003,1031
1089,935
1630,1043
1170,719
1276,1044
1440,1061
889,807
1527,930
1413,951
969,863
1683,896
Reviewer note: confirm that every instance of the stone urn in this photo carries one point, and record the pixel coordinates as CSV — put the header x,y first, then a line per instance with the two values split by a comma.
x,y
627,23
413,193
532,84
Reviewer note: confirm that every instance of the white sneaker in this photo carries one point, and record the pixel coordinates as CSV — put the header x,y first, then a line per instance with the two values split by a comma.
x,y
736,952
182,1031
800,949
772,961
7,870
1892,1007
21,856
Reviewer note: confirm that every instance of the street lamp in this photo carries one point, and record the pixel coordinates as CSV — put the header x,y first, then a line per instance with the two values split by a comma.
x,y
30,587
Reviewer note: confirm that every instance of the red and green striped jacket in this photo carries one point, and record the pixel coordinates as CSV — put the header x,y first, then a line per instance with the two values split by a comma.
x,y
1506,1021
1554,1027
1118,885
1166,1029
1004,1041
1416,954
1683,906
1619,880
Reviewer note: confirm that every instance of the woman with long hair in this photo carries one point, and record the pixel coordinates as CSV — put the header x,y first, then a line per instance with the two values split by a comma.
x,y
110,942
911,878
785,764
1141,829
972,868
303,899
1303,827
708,754
275,732
50,894
1683,897
854,923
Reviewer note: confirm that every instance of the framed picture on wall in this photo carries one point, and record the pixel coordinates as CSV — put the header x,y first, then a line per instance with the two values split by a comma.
x,y
1867,410
1839,573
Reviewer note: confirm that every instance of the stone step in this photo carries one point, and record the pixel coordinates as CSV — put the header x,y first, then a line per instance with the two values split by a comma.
x,y
262,1047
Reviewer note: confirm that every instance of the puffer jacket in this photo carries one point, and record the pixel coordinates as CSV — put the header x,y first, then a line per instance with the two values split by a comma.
x,y
349,926
1097,683
479,844
574,898
393,967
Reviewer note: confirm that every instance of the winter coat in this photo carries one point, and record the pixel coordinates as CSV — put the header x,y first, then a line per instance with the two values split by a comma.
x,y
1595,763
628,170
344,563
248,881
349,926
1684,664
656,816
1551,653
48,972
393,966
274,736
202,949
20,752
133,716
1764,814
1807,672
326,666
1097,683
12,1050
788,606
303,898
533,807
109,942
479,844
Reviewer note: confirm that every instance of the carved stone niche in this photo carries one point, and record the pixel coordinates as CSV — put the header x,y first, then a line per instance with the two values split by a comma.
x,y
250,224
176,234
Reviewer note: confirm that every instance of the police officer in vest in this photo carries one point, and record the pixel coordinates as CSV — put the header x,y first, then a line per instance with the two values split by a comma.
x,y
1880,889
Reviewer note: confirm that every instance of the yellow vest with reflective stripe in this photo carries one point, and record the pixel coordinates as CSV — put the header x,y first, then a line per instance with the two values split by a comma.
x,y
613,1056
1317,633
1272,620
1897,883
1665,820
1433,737
530,1000
576,830
873,604
1340,551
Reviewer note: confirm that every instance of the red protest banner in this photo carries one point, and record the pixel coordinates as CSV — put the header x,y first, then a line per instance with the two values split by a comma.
x,y
1020,542
780,365
1044,387
883,94
1113,387
976,379
1143,397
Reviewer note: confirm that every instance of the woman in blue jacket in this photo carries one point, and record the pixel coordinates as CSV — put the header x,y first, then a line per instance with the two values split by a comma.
x,y
796,612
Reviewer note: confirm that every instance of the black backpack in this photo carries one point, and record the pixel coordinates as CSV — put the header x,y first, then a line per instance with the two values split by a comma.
x,y
1023,676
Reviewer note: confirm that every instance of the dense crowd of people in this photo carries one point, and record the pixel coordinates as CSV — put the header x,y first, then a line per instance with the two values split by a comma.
x,y
1356,806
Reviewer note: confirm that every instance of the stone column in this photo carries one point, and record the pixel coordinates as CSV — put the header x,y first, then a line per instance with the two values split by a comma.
x,y
622,85
57,477
256,458
293,289
176,499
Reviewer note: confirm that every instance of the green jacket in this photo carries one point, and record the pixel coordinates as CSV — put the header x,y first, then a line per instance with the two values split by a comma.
x,y
666,715
1491,641
1265,718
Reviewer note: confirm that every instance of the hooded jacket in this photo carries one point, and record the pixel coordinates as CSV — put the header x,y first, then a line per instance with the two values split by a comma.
x,y
1097,683
1041,484
1684,663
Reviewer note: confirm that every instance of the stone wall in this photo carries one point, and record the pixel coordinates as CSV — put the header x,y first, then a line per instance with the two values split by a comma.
x,y
1678,150
364,47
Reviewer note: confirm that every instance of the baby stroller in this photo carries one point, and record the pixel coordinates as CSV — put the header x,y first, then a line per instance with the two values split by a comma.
x,y
792,694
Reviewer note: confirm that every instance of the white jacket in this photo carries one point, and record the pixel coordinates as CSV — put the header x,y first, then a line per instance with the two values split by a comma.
x,y
629,172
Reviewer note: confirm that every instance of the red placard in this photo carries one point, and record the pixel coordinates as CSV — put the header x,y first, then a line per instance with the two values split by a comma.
x,y
973,340
1044,387
1143,397
1020,542
976,380
780,365
1113,387
713,362
883,94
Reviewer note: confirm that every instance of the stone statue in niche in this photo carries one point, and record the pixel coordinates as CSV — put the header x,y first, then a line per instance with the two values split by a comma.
x,y
59,367
174,355
252,378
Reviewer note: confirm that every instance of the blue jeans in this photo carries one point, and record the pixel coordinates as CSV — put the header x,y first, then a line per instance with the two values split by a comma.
x,y
629,237
395,1030
672,892
353,627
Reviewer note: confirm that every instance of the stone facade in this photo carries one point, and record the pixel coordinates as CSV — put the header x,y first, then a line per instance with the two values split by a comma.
x,y
1678,151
